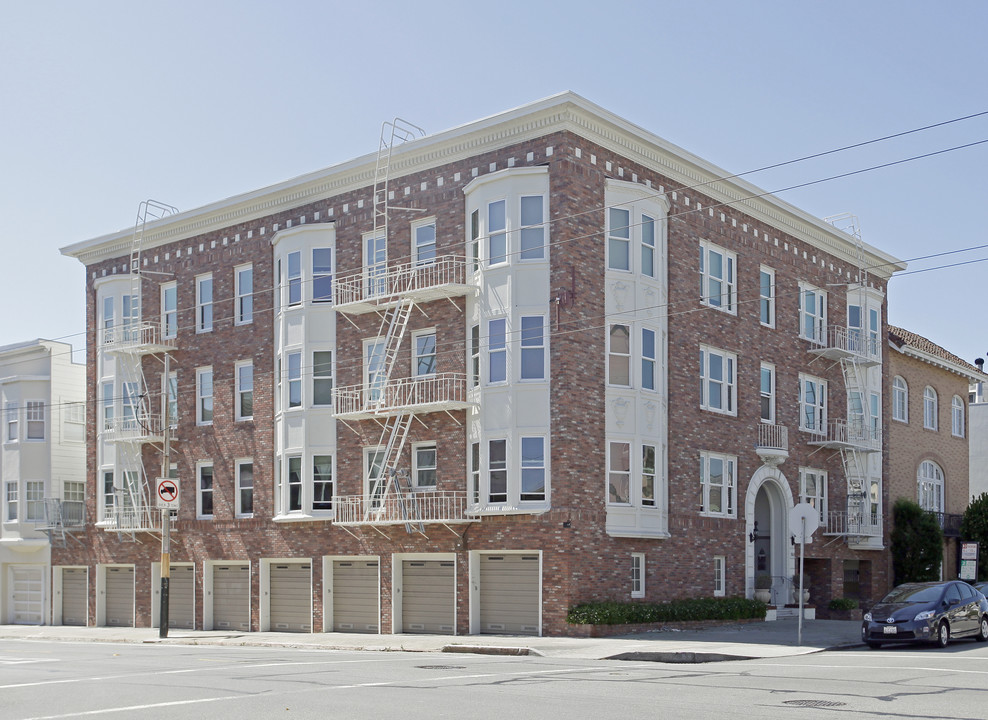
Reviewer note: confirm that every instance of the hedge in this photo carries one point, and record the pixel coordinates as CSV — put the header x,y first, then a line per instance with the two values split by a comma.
x,y
632,613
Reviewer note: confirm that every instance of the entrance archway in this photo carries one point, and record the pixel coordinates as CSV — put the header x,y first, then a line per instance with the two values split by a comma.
x,y
768,549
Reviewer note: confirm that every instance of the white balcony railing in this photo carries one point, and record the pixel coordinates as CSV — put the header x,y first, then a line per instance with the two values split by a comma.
x,y
843,342
445,391
136,337
428,506
361,291
773,437
131,518
851,435
63,514
856,523
145,428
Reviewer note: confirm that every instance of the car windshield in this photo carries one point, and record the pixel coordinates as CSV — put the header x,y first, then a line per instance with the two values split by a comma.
x,y
914,594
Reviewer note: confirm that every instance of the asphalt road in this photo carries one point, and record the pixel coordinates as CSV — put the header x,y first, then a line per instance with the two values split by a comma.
x,y
40,679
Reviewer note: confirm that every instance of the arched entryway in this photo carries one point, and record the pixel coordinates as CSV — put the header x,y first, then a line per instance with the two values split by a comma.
x,y
768,551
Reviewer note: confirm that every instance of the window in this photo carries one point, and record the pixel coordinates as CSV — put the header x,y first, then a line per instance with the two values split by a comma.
x,y
717,381
813,490
244,289
107,319
618,239
475,240
204,490
532,348
900,400
637,575
245,488
648,475
374,474
204,303
648,246
11,497
930,481
109,495
532,229
74,491
294,379
767,391
374,371
766,296
533,468
295,483
717,484
717,284
130,400
424,466
619,473
497,355
204,396
35,412
108,406
322,378
322,275
930,408
497,236
424,243
875,400
424,363
720,575
172,408
863,339
474,473
322,482
812,404
812,314
475,356
957,417
34,497
245,390
619,356
10,414
376,265
497,467
295,278
648,359
131,316
169,310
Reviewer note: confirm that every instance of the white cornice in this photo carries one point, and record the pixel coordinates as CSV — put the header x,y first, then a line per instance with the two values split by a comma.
x,y
562,112
939,362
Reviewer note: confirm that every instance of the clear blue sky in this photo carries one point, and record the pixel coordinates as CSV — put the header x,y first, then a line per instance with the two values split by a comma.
x,y
104,104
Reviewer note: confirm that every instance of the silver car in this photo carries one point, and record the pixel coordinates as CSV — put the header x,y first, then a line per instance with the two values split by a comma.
x,y
927,612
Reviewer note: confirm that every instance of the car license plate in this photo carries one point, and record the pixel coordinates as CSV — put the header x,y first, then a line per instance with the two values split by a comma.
x,y
890,629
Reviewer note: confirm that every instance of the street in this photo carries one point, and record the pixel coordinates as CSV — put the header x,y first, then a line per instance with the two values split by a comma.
x,y
47,680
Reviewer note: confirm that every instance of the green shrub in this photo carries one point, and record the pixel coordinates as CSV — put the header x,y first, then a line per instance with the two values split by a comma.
x,y
763,582
843,604
635,613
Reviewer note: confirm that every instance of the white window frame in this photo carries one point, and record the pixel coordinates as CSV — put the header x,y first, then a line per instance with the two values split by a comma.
x,y
766,296
10,500
331,483
619,471
242,488
649,500
107,406
373,461
497,347
531,243
204,303
818,499
107,318
930,486
533,466
718,291
619,238
419,468
202,491
497,237
204,395
931,408
649,362
35,420
421,242
243,373
900,399
475,356
767,390
243,310
320,275
298,482
11,415
957,417
532,345
618,359
720,575
648,230
819,407
74,491
322,373
169,310
500,469
374,370
171,390
812,320
728,485
637,575
293,368
293,278
726,383
418,356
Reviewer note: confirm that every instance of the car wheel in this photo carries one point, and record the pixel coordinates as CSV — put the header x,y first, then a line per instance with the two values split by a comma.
x,y
943,635
873,645
982,630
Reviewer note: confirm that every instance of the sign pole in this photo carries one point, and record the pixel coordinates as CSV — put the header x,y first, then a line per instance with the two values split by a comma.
x,y
802,547
165,512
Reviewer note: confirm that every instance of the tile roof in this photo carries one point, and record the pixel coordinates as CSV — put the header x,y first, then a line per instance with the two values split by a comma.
x,y
901,337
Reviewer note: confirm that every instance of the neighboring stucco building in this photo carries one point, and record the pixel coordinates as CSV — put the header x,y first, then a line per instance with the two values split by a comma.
x,y
457,387
42,472
928,435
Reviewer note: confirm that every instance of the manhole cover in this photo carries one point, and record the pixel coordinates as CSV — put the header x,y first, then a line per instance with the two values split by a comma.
x,y
813,703
441,667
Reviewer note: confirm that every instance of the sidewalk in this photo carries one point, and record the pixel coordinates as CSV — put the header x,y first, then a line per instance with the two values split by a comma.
x,y
729,642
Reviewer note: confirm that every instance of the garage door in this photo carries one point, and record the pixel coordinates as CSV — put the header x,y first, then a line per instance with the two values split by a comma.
x,y
231,597
120,597
509,594
291,597
181,597
75,596
355,596
26,595
428,596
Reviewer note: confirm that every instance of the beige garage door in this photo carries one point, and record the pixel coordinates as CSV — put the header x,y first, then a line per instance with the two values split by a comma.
x,y
181,597
291,597
428,603
231,597
120,597
509,594
26,593
355,596
75,596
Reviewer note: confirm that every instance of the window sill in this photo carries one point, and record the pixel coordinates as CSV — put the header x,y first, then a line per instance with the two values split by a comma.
x,y
722,516
715,411
301,517
505,509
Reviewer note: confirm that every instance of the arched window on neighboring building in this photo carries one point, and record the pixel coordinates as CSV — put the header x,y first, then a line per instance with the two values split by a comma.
x,y
930,408
900,400
957,416
930,486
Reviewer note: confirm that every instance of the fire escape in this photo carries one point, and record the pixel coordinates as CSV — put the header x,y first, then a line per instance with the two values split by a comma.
x,y
388,397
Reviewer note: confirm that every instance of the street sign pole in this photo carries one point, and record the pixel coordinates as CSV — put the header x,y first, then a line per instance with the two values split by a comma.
x,y
165,512
802,549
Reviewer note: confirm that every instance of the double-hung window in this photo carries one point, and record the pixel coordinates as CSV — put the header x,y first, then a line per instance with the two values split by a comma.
x,y
243,311
619,355
812,404
375,265
424,466
109,495
171,407
34,500
107,320
108,407
245,390
322,275
766,296
718,484
637,575
648,359
424,362
10,412
957,417
717,281
930,408
374,370
532,227
475,356
767,391
718,380
131,393
11,498
35,415
618,239
648,246
295,483
533,468
295,278
619,473
720,575
169,310
497,351
204,303
900,399
813,490
322,482
497,235
497,468
322,378
475,240
294,379
648,475
532,347
812,314
204,490
204,396
245,488
424,242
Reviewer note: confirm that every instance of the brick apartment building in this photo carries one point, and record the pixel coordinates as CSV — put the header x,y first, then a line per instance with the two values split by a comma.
x,y
928,433
459,385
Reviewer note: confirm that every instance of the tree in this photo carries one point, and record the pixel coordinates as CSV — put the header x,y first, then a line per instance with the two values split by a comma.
x,y
917,543
974,526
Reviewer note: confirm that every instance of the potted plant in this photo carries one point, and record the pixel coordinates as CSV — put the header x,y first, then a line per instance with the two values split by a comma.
x,y
763,588
805,584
